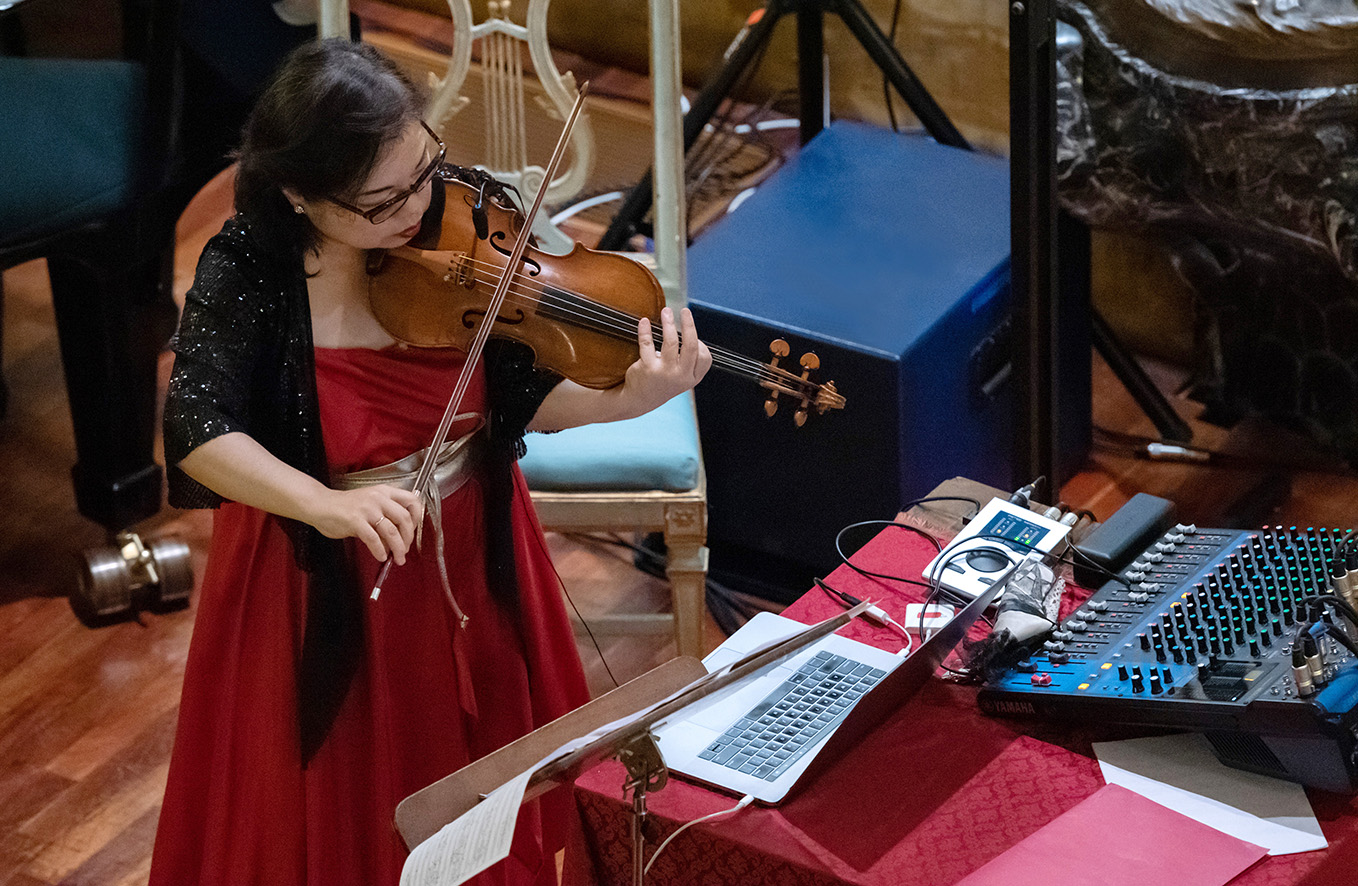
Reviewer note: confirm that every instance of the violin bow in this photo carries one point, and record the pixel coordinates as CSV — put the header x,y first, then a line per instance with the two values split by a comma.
x,y
478,342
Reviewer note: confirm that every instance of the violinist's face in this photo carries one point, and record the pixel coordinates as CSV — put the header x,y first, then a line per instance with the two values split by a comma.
x,y
397,169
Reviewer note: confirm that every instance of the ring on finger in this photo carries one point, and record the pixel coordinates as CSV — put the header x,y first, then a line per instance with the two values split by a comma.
x,y
380,520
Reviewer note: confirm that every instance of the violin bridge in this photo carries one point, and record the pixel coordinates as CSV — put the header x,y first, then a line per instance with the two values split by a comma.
x,y
462,270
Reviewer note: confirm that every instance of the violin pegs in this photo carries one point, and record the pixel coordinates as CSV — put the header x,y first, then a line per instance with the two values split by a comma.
x,y
779,349
809,362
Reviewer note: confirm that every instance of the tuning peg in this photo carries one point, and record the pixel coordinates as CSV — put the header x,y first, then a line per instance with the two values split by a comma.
x,y
810,362
779,349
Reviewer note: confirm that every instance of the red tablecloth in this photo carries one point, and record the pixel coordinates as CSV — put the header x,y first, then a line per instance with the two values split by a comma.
x,y
930,796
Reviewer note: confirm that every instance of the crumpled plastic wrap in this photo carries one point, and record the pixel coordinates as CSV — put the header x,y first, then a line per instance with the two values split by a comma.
x,y
1027,611
1255,191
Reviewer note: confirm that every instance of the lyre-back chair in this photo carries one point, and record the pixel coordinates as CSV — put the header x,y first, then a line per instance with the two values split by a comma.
x,y
645,474
504,104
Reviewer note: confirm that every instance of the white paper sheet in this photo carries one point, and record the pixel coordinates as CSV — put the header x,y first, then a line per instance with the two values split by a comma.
x,y
468,845
1181,772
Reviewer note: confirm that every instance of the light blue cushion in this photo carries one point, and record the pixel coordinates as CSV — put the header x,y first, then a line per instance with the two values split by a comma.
x,y
70,139
658,450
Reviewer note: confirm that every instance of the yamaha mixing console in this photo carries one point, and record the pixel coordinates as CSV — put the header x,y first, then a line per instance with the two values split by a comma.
x,y
1246,637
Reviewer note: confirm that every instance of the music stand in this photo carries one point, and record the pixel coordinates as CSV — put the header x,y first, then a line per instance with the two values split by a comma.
x,y
810,85
622,720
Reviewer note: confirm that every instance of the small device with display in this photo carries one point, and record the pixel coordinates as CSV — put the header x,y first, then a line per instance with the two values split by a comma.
x,y
1000,536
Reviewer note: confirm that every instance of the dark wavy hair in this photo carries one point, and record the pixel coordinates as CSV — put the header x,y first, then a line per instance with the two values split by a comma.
x,y
318,130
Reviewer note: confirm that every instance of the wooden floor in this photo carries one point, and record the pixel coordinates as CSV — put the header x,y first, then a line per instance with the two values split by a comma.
x,y
87,716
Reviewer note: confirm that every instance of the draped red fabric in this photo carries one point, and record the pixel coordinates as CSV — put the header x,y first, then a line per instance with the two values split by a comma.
x,y
239,807
928,797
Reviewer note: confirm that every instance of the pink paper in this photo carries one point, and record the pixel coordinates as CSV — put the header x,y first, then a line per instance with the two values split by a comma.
x,y
1119,838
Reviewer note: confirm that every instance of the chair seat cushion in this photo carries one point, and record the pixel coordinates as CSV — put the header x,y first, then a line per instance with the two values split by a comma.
x,y
659,450
69,144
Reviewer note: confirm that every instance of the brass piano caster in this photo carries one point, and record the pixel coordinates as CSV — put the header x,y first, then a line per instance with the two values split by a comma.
x,y
118,582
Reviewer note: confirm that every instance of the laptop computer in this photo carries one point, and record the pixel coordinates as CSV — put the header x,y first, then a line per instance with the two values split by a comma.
x,y
760,735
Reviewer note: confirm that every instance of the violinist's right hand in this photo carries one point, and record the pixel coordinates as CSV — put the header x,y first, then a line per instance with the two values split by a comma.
x,y
383,518
238,468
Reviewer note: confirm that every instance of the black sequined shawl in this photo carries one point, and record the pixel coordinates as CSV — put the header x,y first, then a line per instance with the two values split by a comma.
x,y
244,362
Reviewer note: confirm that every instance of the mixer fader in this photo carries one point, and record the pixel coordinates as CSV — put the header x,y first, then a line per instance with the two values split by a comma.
x,y
1247,637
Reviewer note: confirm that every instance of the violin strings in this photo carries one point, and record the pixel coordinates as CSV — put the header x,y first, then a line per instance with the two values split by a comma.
x,y
585,311
621,325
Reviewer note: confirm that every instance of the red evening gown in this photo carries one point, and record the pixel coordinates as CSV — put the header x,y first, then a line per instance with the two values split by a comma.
x,y
239,807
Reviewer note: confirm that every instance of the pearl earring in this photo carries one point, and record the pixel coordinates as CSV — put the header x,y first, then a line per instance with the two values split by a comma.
x,y
298,209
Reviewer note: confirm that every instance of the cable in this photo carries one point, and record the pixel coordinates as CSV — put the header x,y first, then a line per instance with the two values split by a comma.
x,y
873,613
744,801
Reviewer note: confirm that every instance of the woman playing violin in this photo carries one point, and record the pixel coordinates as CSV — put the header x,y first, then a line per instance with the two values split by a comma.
x,y
308,710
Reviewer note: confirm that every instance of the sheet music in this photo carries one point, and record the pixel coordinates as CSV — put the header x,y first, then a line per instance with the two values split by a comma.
x,y
471,843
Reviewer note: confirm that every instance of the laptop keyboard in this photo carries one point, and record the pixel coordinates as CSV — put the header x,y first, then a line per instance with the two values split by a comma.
x,y
775,733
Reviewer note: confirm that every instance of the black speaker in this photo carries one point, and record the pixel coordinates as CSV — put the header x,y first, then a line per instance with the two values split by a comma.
x,y
886,255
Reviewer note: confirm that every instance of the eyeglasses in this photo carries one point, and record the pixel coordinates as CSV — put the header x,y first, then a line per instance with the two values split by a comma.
x,y
387,208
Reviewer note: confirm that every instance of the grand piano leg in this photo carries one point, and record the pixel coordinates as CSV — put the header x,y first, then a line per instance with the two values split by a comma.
x,y
113,319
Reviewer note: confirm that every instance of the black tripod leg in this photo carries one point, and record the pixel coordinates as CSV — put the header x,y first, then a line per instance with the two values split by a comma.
x,y
700,112
884,54
1172,428
810,70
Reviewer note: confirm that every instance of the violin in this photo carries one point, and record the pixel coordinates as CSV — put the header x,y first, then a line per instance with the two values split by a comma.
x,y
578,312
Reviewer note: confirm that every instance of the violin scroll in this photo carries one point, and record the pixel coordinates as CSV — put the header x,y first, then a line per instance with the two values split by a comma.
x,y
809,394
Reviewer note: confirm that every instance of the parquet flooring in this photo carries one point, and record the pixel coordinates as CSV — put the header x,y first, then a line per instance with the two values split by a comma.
x,y
87,716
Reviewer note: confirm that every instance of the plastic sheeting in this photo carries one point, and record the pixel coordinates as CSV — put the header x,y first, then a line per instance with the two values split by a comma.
x,y
1255,190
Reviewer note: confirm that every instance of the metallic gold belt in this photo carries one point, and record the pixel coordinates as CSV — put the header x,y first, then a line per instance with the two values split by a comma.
x,y
454,465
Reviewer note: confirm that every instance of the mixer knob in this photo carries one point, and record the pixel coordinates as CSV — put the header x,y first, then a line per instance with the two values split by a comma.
x,y
1063,636
1191,654
1087,614
1155,682
1185,528
1148,588
1138,684
1140,564
1160,652
1154,556
1175,537
1177,654
1138,596
1122,673
1058,658
1164,547
1254,647
1136,575
1097,605
1053,646
1145,642
1077,626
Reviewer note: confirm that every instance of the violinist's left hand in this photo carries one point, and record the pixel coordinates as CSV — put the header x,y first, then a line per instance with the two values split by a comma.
x,y
655,378
681,362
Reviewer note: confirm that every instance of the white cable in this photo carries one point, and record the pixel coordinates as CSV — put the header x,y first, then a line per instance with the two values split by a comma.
x,y
744,801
